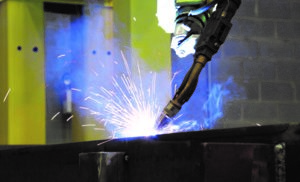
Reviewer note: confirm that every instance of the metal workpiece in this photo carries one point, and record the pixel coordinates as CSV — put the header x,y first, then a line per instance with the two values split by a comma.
x,y
103,166
245,162
280,162
249,154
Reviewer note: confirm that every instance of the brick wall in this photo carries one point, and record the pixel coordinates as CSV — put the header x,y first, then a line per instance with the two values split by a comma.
x,y
261,54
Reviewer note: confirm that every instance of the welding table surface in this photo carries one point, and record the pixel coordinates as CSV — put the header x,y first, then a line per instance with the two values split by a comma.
x,y
60,162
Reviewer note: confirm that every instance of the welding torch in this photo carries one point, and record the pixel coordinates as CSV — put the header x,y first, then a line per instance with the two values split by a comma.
x,y
211,36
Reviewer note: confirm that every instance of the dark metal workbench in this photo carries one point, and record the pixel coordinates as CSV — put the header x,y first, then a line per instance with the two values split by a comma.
x,y
262,153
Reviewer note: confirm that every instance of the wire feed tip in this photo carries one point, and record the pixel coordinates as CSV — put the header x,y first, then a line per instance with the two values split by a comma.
x,y
162,121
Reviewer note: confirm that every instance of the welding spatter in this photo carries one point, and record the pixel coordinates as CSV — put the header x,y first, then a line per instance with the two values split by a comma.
x,y
183,94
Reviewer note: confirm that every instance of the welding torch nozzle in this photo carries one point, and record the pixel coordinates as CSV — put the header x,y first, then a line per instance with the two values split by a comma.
x,y
171,109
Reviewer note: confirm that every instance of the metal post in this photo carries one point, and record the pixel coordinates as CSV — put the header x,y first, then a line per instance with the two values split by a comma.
x,y
102,167
280,163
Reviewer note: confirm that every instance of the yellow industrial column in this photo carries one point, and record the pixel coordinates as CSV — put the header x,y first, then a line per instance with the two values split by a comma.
x,y
22,87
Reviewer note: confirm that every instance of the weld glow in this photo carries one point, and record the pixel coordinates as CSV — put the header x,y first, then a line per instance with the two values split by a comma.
x,y
130,108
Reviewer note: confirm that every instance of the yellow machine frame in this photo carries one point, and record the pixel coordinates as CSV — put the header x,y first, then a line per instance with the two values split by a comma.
x,y
22,84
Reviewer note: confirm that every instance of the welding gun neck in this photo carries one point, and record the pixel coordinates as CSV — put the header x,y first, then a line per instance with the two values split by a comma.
x,y
186,89
190,81
201,60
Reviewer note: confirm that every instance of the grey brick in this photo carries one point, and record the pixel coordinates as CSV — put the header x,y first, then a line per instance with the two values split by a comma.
x,y
297,50
240,48
288,30
232,111
253,28
251,90
260,112
259,69
276,91
235,29
221,69
246,8
274,9
234,124
268,71
289,112
295,10
297,86
276,49
289,71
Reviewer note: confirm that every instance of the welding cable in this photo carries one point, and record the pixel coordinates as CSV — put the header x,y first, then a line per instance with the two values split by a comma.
x,y
203,8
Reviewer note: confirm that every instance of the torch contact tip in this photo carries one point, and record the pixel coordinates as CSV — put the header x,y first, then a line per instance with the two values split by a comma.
x,y
162,121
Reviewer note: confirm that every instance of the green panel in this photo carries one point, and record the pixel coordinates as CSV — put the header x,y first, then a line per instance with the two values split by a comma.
x,y
150,40
188,2
65,1
26,102
137,28
122,22
3,75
